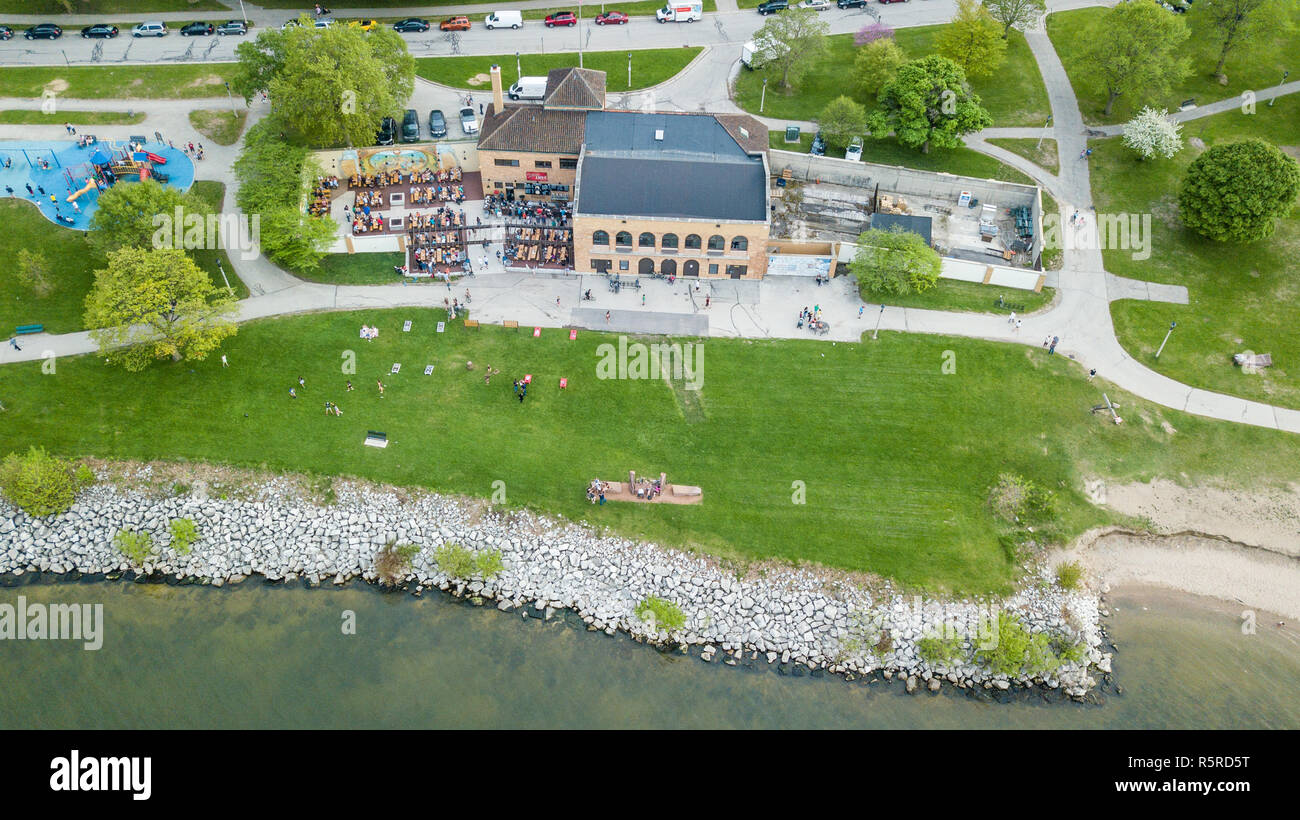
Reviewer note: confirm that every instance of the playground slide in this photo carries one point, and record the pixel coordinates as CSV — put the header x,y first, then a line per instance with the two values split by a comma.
x,y
152,157
90,186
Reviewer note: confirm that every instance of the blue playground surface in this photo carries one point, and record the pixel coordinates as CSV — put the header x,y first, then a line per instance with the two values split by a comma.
x,y
71,165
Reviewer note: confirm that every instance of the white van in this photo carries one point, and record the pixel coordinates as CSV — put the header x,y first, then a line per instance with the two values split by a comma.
x,y
504,19
149,30
528,88
680,12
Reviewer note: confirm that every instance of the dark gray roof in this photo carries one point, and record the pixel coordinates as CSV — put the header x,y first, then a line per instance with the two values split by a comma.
x,y
912,224
696,171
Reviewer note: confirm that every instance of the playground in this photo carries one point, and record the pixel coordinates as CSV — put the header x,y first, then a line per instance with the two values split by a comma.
x,y
76,171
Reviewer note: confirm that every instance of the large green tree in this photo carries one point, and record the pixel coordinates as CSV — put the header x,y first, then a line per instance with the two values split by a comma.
x,y
928,103
1018,14
140,215
1236,192
841,120
876,64
154,304
1226,24
791,42
329,86
1135,48
295,240
894,261
973,40
269,171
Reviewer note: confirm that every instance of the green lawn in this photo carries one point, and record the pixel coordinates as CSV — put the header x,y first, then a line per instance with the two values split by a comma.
x,y
355,269
220,125
214,194
971,297
1253,66
963,161
111,6
885,491
149,82
1014,96
649,67
21,116
1243,297
1044,157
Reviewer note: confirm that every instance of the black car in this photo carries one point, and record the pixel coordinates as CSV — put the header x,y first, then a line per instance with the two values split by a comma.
x,y
411,24
773,6
387,131
437,123
851,4
6,33
411,126
43,31
232,27
99,30
197,30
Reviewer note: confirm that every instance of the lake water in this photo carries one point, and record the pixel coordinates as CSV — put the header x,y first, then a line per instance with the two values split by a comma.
x,y
272,656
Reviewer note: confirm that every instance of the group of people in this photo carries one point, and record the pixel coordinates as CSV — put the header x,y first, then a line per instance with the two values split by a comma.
x,y
383,179
442,218
521,390
427,258
85,140
811,317
319,204
429,194
596,491
368,199
547,214
369,332
190,149
367,222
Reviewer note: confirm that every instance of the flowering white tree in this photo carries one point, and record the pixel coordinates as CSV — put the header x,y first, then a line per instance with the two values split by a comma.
x,y
1152,132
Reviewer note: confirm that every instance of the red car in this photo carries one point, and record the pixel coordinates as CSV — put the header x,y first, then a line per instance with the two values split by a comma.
x,y
613,18
564,18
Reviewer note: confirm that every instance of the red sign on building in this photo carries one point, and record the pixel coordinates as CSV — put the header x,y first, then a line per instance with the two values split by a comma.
x,y
535,176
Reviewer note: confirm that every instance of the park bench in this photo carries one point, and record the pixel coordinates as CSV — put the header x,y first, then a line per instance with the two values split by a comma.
x,y
471,323
510,323
23,330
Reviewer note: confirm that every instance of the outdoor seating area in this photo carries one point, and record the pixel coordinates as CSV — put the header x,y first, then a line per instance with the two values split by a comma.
x,y
638,488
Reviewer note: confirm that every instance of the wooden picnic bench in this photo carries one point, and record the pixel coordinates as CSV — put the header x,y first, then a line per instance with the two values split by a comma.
x,y
510,323
471,323
23,330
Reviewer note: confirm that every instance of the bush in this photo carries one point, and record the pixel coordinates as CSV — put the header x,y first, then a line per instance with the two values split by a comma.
x,y
489,563
185,534
1021,500
455,560
134,544
1237,192
41,484
1069,575
394,561
661,614
936,650
1019,651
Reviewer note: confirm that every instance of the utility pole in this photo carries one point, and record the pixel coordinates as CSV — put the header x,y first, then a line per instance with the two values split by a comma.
x,y
1172,325
629,70
1044,134
1285,74
579,33
243,13
875,333
518,71
763,99
231,96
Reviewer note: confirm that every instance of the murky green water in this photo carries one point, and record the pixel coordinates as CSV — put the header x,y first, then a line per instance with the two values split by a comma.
x,y
260,656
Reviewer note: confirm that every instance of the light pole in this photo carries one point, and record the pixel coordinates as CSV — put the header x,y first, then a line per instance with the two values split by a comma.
x,y
1172,325
519,72
875,333
231,96
763,99
1044,134
1285,74
579,33
222,268
629,70
243,13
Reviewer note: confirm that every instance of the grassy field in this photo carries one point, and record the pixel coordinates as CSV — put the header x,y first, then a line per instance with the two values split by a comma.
x,y
970,297
897,479
220,125
109,6
21,116
963,161
1243,297
1254,66
649,67
152,82
214,194
355,269
1014,96
1045,157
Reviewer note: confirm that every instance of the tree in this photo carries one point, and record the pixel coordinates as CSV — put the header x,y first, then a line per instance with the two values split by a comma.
x,y
1151,132
1226,24
1236,192
842,119
269,171
150,304
295,240
876,65
973,40
894,261
791,42
331,86
1017,14
34,271
1135,48
140,215
928,103
870,34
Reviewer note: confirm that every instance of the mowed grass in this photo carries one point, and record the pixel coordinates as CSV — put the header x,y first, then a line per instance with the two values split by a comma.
x,y
149,82
20,116
1040,152
969,297
963,161
649,67
355,269
107,7
1251,66
222,126
896,457
1014,96
1243,296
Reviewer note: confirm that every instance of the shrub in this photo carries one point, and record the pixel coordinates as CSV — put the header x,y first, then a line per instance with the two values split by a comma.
x,y
185,534
661,614
1236,192
394,561
1018,651
455,560
41,484
134,544
1020,500
1069,575
489,563
936,650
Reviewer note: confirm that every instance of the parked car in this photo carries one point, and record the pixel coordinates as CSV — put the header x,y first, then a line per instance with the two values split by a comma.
x,y
818,146
854,151
468,123
387,131
43,31
454,24
894,1
773,6
6,33
816,5
611,18
851,4
363,24
411,126
411,24
323,23
153,29
100,30
504,19
197,30
562,18
437,124
232,27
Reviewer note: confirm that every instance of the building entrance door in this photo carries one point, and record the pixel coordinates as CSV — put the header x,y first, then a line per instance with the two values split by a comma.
x,y
691,268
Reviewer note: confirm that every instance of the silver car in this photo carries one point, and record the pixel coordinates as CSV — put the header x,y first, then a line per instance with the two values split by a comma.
x,y
468,122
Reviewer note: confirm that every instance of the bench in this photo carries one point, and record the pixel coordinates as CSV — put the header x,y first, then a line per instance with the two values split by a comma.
x,y
471,323
23,330
510,323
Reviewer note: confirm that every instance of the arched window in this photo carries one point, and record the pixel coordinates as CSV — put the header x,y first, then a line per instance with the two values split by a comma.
x,y
716,242
668,267
600,238
669,241
645,267
739,243
623,239
693,242
691,268
645,240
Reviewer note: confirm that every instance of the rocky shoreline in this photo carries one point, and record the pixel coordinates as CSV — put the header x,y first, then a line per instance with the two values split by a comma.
x,y
791,616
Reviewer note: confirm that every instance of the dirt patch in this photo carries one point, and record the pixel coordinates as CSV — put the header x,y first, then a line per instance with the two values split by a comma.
x,y
58,85
478,79
211,79
1292,151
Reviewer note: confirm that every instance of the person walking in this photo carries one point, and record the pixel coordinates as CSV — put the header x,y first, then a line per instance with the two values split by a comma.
x,y
293,394
349,387
13,342
607,317
1092,374
643,300
707,299
1051,349
30,192
301,382
1012,320
1016,329
381,387
224,361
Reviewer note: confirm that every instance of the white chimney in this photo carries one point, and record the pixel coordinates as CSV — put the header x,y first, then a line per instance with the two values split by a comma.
x,y
498,98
